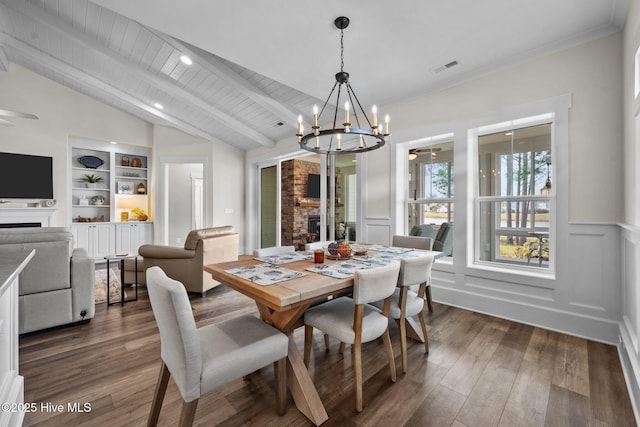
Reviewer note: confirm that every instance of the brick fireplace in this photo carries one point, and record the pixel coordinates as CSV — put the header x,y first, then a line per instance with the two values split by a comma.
x,y
297,208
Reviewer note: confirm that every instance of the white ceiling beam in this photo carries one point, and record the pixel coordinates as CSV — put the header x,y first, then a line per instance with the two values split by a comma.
x,y
168,87
72,73
220,69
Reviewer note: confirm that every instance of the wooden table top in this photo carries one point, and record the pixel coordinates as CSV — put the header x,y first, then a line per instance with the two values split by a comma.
x,y
284,295
288,294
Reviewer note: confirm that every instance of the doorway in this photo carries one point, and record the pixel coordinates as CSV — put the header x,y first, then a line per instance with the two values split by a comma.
x,y
183,196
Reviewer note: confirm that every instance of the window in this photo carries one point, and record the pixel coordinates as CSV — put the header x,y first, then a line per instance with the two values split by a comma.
x,y
350,214
514,195
430,203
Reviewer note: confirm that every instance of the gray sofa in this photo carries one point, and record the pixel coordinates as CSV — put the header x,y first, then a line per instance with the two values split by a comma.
x,y
442,236
57,286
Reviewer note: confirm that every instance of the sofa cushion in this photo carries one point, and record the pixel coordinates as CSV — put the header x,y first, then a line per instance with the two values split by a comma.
x,y
44,310
49,269
196,235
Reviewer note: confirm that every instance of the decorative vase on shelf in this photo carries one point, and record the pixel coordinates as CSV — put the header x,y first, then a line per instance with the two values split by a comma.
x,y
136,162
141,188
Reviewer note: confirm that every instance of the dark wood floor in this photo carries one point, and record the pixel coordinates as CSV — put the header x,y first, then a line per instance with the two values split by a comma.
x,y
481,371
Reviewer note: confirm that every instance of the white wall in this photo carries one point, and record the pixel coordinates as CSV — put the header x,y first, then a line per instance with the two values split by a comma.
x,y
180,200
630,242
62,112
223,179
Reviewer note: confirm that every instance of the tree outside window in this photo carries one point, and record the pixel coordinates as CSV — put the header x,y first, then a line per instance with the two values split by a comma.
x,y
514,195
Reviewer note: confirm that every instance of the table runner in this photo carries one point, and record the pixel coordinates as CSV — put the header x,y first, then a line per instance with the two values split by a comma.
x,y
346,268
285,258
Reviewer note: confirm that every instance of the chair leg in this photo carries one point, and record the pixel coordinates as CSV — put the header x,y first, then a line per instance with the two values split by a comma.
x,y
403,327
280,370
158,395
423,324
188,413
429,302
342,347
356,354
326,342
308,342
392,363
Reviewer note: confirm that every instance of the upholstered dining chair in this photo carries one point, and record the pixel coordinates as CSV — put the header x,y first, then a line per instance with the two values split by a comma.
x,y
406,303
273,250
203,359
416,242
317,245
354,321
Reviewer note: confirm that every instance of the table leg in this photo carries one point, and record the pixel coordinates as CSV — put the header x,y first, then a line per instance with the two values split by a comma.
x,y
303,390
414,331
122,282
135,266
108,280
301,385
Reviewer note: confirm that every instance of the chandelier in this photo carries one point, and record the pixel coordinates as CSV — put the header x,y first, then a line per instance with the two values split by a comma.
x,y
345,139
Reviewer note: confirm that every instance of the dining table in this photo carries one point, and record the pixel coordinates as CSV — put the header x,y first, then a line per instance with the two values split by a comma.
x,y
283,304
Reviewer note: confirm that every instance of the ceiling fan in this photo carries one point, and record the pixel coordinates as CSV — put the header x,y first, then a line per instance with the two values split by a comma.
x,y
14,114
413,153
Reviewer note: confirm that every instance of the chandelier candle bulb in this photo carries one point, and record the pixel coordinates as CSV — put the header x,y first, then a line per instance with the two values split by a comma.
x,y
299,133
315,116
339,147
374,111
386,125
346,114
361,142
317,142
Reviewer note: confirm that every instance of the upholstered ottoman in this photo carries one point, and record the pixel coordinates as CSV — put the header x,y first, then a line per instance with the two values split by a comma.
x,y
130,271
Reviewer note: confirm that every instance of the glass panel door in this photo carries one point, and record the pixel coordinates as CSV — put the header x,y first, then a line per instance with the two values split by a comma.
x,y
268,206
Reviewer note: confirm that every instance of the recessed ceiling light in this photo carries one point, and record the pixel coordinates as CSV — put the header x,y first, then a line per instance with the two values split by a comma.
x,y
186,60
158,106
114,143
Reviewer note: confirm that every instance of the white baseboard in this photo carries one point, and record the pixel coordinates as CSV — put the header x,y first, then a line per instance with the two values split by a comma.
x,y
630,369
580,325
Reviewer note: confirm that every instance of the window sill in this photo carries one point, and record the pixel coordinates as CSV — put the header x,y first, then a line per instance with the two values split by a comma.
x,y
515,274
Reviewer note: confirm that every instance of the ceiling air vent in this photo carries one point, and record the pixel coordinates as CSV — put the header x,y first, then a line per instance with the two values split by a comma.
x,y
445,66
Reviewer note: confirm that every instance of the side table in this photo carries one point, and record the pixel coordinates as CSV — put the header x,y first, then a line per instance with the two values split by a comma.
x,y
120,259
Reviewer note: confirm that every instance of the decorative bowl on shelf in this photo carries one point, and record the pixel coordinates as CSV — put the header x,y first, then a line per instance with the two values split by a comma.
x,y
91,162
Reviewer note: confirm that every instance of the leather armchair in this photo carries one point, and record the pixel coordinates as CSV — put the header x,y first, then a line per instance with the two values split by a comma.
x,y
201,247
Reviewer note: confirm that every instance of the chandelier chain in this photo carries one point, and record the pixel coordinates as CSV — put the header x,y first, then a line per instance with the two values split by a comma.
x,y
341,50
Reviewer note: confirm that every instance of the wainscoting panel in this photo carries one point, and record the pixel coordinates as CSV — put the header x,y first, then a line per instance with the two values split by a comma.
x,y
582,299
593,284
377,231
630,323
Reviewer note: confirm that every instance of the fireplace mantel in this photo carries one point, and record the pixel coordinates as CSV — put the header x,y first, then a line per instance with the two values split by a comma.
x,y
14,215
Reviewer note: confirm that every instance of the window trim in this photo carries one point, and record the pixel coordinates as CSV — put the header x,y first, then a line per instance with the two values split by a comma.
x,y
475,200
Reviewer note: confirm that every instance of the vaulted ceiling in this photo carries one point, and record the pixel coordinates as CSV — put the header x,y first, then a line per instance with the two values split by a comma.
x,y
257,64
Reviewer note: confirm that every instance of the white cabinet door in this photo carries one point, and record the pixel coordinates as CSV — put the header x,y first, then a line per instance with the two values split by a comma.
x,y
81,236
97,239
130,236
125,238
103,240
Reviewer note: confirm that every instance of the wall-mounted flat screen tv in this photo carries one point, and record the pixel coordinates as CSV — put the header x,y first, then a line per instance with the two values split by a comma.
x,y
313,186
24,176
